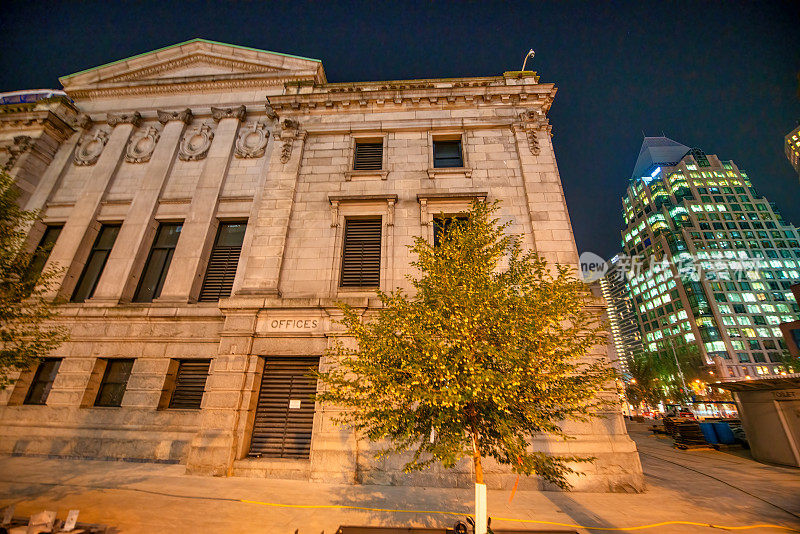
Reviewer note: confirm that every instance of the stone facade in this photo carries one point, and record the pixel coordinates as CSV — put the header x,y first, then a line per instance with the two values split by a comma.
x,y
203,133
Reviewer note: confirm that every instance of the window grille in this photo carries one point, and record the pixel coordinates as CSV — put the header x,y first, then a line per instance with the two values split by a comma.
x,y
361,258
190,383
222,262
368,157
285,412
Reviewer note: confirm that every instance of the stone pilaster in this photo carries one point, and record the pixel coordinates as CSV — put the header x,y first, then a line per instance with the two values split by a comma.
x,y
72,248
123,267
199,228
47,185
230,387
547,208
270,215
55,171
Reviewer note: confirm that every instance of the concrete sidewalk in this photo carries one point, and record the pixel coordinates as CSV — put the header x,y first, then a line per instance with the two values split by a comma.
x,y
727,489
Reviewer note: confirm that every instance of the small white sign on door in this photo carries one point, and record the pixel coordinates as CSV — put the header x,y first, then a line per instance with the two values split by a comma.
x,y
294,404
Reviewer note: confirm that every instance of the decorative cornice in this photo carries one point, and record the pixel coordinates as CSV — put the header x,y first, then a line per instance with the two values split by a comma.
x,y
229,113
184,116
446,195
363,198
53,124
134,118
183,87
165,67
174,201
335,200
20,145
420,95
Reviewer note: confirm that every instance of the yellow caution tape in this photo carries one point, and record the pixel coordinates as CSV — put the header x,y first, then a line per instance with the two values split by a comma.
x,y
552,523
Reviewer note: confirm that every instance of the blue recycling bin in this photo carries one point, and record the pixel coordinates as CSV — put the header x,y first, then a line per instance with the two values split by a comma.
x,y
724,433
708,432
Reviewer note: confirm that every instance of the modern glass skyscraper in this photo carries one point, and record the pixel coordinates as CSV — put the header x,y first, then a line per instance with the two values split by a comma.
x,y
621,314
708,260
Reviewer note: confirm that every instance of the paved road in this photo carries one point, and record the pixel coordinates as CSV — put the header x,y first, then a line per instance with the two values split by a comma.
x,y
728,489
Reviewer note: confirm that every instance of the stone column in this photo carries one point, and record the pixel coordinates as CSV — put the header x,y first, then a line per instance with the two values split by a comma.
x,y
191,254
72,248
117,283
269,217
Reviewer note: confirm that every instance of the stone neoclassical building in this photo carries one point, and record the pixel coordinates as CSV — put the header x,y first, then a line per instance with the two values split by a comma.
x,y
208,205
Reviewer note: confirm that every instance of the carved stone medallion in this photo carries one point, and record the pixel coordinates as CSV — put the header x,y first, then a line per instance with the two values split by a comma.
x,y
196,143
90,147
141,146
252,141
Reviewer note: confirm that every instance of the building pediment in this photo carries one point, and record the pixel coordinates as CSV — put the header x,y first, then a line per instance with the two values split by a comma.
x,y
194,65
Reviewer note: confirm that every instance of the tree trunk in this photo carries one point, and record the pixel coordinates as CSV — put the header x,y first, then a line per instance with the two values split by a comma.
x,y
481,516
476,458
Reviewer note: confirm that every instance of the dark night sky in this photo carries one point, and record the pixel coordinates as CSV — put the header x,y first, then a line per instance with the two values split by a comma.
x,y
720,76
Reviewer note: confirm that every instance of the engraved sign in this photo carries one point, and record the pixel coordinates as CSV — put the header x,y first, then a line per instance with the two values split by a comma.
x,y
786,394
294,404
292,324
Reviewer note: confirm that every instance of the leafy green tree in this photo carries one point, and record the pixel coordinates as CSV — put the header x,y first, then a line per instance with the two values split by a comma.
x,y
643,387
490,349
27,332
788,363
668,374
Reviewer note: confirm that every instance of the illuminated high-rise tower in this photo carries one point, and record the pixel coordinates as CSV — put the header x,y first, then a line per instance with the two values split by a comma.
x,y
708,260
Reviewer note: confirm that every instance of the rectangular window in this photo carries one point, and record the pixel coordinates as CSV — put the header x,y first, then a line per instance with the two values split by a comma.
x,y
115,380
368,156
155,270
42,252
447,154
43,381
190,383
96,262
442,225
223,262
361,256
